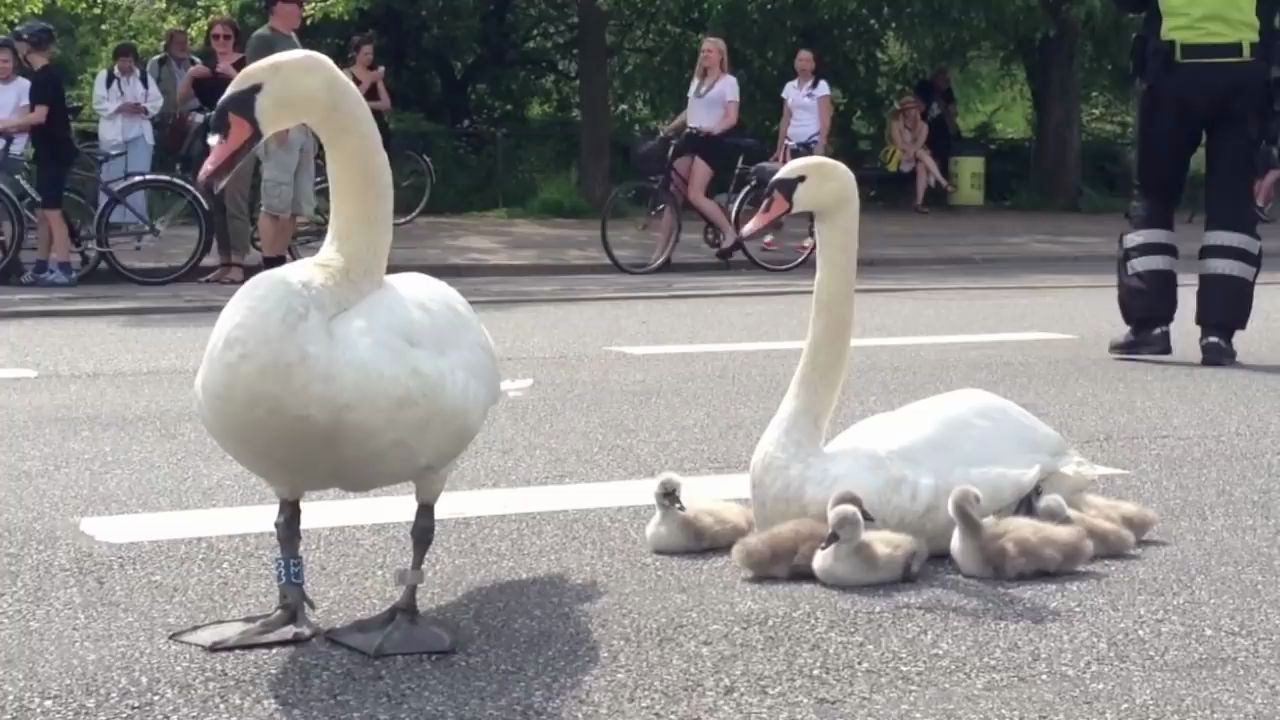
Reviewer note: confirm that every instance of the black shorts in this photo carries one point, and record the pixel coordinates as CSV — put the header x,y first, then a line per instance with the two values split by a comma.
x,y
713,150
51,183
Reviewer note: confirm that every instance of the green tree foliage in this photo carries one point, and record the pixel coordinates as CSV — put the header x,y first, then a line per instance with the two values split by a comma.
x,y
1051,69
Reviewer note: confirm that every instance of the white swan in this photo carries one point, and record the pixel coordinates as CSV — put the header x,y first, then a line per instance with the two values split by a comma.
x,y
326,372
903,463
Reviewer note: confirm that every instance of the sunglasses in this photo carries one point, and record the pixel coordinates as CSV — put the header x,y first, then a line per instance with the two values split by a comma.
x,y
221,36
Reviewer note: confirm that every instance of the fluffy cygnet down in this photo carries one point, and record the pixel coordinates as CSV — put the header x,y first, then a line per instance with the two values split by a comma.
x,y
1109,539
785,551
1011,547
852,556
1138,519
702,526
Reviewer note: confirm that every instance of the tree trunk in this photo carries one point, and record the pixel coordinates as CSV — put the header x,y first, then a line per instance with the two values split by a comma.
x,y
593,102
1052,68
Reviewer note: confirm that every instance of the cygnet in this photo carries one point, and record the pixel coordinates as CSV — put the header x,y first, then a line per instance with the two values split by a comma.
x,y
1011,547
1109,539
853,556
705,525
785,551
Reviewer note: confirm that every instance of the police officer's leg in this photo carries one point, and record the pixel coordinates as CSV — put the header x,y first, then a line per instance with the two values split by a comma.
x,y
1168,132
1231,252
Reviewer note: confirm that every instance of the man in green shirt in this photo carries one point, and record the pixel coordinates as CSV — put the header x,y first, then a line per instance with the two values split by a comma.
x,y
1204,69
288,157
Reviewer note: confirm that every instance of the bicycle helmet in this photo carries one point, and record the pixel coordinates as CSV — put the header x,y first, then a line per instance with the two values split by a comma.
x,y
36,33
7,42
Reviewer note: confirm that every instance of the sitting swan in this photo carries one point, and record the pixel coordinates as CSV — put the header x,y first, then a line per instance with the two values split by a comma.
x,y
904,463
1011,547
786,550
706,525
1109,538
852,556
326,372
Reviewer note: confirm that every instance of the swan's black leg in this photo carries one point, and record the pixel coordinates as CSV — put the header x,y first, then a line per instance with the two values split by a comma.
x,y
401,629
288,623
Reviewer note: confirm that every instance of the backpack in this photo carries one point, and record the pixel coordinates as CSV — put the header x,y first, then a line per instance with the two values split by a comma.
x,y
111,77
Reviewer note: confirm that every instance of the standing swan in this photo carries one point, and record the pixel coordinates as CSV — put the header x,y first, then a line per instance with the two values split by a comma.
x,y
903,463
327,373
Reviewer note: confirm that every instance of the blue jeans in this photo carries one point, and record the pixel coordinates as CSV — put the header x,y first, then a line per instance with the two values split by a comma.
x,y
138,160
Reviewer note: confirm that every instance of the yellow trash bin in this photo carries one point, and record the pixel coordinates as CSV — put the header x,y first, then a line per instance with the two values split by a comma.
x,y
968,172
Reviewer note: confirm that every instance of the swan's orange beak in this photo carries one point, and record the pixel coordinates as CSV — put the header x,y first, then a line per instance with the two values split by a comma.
x,y
775,206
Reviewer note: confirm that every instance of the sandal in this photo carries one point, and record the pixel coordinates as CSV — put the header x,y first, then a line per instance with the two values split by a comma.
x,y
224,280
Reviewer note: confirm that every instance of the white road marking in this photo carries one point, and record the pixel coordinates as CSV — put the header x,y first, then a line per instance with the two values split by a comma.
x,y
17,373
360,511
516,388
247,519
856,342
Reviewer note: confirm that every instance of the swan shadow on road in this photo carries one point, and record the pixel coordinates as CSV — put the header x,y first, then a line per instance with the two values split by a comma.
x,y
523,647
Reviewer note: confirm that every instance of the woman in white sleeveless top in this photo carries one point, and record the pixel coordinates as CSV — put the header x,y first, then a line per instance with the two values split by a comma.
x,y
806,121
713,110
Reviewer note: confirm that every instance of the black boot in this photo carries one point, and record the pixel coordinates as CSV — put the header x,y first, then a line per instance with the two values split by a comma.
x,y
1147,341
1216,347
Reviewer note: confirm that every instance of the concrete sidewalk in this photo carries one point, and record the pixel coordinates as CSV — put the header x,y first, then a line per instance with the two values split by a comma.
x,y
482,246
470,246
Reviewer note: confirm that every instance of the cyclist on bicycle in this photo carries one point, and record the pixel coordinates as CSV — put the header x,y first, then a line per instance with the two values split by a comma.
x,y
711,112
806,121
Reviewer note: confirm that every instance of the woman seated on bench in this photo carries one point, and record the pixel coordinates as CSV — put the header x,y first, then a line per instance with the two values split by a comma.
x,y
907,152
712,109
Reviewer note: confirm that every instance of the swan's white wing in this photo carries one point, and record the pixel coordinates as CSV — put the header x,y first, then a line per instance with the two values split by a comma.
x,y
961,437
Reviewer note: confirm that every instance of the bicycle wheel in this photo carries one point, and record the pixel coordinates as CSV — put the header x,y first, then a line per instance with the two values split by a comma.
x,y
130,224
641,208
785,247
12,230
412,177
79,214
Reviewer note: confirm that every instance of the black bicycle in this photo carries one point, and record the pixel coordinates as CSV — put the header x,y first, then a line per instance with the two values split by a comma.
x,y
657,208
122,225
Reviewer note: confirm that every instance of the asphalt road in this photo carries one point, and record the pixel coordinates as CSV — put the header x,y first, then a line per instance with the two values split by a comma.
x,y
566,615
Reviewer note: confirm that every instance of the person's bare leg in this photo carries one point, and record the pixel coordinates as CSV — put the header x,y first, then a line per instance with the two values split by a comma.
x,y
59,236
699,178
922,183
932,166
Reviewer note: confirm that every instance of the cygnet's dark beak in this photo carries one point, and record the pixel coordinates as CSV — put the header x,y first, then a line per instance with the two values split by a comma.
x,y
831,539
673,498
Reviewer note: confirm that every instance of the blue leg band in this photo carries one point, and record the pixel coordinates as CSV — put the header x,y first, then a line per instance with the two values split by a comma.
x,y
289,571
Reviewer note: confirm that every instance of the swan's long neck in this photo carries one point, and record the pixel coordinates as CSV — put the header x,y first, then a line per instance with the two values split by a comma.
x,y
360,190
806,409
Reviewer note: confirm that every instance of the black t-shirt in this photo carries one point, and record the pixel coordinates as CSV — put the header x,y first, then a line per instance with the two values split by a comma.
x,y
209,90
52,139
935,106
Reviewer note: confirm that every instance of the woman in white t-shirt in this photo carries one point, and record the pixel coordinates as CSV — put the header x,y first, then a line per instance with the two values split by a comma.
x,y
712,110
806,122
15,100
806,110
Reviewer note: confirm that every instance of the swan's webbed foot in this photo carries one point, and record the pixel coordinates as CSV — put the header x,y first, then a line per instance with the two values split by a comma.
x,y
398,630
401,629
288,623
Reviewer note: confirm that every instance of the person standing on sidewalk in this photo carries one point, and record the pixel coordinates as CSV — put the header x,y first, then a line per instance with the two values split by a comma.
x,y
49,123
1203,68
288,157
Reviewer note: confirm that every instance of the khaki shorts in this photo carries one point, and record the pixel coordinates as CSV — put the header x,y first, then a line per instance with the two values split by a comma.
x,y
289,174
